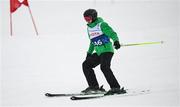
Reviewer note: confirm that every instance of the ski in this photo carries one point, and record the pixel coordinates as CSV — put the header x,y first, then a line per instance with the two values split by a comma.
x,y
71,94
74,94
85,97
128,93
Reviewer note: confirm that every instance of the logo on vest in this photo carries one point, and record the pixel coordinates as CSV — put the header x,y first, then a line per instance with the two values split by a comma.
x,y
94,34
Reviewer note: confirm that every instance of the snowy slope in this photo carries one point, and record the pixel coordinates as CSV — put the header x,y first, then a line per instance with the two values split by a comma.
x,y
51,62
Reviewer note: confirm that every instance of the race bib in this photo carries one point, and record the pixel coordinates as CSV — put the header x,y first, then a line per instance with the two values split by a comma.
x,y
100,40
96,35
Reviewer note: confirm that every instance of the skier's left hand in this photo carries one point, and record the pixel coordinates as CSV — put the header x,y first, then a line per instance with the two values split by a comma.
x,y
88,55
117,45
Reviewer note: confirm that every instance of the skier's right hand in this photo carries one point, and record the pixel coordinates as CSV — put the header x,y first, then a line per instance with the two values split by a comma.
x,y
117,45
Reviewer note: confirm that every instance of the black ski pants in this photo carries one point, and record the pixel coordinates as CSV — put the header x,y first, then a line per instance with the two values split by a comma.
x,y
105,62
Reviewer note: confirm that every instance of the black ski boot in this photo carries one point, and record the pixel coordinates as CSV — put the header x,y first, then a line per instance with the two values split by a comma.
x,y
113,91
94,90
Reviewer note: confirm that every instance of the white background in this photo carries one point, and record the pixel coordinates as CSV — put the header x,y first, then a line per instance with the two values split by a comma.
x,y
51,62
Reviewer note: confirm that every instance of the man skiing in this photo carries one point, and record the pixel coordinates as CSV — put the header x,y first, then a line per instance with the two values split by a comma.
x,y
100,33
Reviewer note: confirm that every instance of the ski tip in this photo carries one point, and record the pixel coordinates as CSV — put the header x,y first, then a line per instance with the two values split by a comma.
x,y
48,95
73,98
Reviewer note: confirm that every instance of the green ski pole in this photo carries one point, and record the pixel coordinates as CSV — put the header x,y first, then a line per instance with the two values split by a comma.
x,y
143,43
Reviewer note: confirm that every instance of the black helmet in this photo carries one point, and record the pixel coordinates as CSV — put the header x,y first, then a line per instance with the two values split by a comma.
x,y
92,13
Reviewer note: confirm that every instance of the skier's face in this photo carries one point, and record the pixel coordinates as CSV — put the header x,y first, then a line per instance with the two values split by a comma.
x,y
88,19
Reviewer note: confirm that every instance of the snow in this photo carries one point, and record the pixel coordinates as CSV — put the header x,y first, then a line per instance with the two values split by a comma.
x,y
32,65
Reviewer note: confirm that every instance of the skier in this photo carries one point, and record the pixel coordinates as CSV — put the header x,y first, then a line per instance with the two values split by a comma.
x,y
100,33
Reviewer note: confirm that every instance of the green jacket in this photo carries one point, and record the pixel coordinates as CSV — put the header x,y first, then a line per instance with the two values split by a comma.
x,y
106,30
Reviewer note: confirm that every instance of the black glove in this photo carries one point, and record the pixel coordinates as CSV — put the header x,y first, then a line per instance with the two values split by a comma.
x,y
117,45
88,55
